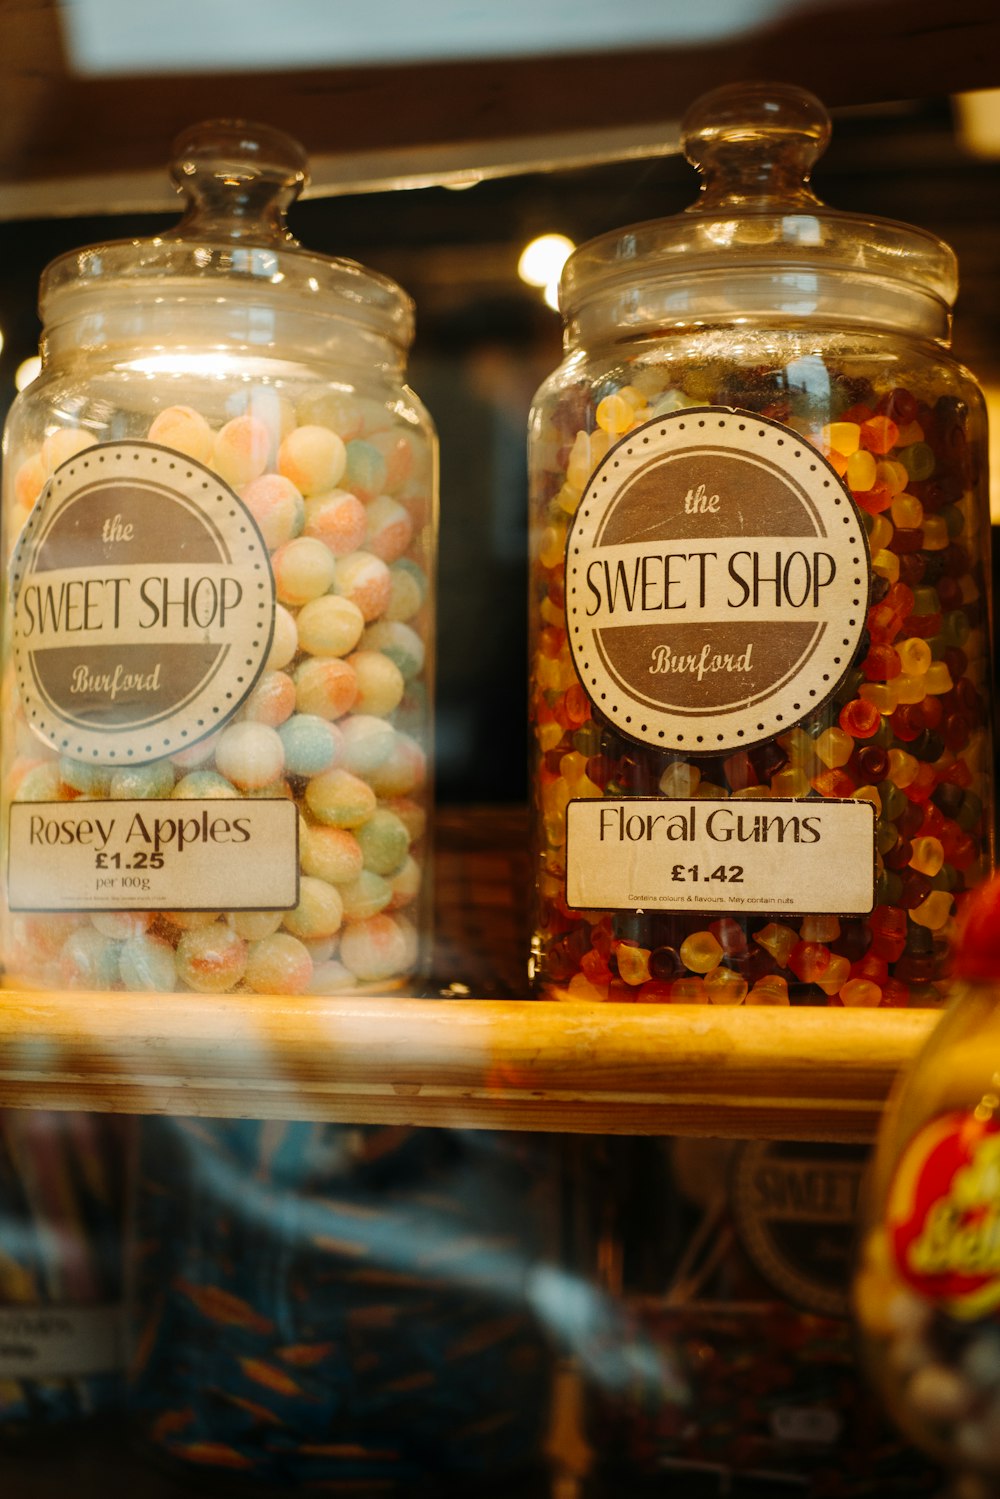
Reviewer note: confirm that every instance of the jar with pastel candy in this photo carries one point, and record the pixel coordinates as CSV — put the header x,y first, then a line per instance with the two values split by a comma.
x,y
219,523
760,655
926,1287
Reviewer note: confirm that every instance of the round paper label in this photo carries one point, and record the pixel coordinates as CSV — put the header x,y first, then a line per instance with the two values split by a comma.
x,y
942,1214
143,604
717,581
795,1209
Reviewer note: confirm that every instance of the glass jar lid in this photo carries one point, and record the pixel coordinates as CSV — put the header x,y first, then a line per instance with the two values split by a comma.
x,y
239,179
758,240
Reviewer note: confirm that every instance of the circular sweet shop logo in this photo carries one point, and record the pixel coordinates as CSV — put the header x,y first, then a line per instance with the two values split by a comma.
x,y
143,605
717,581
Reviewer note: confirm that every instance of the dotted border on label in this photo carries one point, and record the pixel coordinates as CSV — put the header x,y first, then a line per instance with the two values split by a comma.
x,y
95,750
701,419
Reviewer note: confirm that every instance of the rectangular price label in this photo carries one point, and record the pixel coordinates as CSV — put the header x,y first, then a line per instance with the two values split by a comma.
x,y
169,855
654,854
60,1342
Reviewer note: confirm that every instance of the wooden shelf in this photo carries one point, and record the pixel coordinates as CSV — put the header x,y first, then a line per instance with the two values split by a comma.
x,y
486,1059
799,1074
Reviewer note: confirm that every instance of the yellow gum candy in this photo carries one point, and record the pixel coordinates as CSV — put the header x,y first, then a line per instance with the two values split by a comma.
x,y
680,780
553,546
800,747
568,498
935,529
843,437
548,736
614,415
893,475
938,678
869,794
915,655
881,533
882,695
886,564
906,511
928,856
860,474
903,768
792,781
834,747
910,689
934,912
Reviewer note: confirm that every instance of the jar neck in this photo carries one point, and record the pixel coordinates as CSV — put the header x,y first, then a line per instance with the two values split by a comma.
x,y
780,296
177,332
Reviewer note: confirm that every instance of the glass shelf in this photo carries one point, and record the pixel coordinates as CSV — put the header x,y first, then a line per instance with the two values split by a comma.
x,y
470,1052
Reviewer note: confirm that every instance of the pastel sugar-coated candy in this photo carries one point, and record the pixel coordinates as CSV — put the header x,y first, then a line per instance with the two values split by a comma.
x,y
211,958
250,754
389,528
277,506
279,964
310,744
384,842
405,883
337,518
367,741
147,962
397,641
86,780
62,444
339,410
397,450
331,853
303,570
276,411
254,925
313,457
329,626
337,490
339,799
380,683
156,779
365,580
402,772
407,590
241,450
365,470
185,430
375,949
325,687
284,640
88,960
272,699
366,896
319,912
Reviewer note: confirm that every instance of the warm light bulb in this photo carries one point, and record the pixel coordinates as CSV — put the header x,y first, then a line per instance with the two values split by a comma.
x,y
543,259
27,370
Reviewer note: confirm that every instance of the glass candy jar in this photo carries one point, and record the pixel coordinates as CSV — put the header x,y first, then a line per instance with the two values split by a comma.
x,y
760,679
319,1308
926,1292
219,528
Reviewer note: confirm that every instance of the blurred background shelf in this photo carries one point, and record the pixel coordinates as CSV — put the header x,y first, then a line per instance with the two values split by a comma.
x,y
434,94
470,1051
